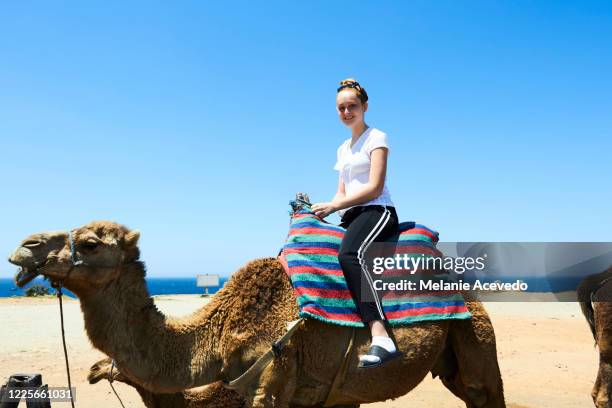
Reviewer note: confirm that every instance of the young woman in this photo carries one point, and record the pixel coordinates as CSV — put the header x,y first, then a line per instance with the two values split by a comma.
x,y
367,211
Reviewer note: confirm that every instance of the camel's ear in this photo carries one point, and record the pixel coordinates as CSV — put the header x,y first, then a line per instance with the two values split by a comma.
x,y
131,239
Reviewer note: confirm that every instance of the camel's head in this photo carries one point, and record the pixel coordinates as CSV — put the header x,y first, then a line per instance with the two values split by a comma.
x,y
85,257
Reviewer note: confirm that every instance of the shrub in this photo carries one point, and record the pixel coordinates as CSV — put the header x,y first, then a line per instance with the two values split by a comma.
x,y
37,290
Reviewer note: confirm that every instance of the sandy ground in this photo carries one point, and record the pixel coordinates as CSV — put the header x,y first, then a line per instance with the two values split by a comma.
x,y
545,351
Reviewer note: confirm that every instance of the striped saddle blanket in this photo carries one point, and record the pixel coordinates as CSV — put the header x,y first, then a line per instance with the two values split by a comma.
x,y
310,258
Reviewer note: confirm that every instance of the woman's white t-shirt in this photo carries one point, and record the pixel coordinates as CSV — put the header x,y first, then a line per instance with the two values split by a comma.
x,y
354,165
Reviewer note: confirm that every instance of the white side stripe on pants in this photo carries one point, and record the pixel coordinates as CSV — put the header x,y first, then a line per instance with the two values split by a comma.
x,y
380,225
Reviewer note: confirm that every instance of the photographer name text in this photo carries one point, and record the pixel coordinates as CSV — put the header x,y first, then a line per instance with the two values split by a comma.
x,y
442,285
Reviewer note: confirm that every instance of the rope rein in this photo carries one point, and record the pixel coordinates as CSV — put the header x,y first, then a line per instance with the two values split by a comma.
x,y
58,287
110,382
59,296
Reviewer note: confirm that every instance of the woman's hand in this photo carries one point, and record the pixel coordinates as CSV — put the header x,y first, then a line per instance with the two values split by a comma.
x,y
323,209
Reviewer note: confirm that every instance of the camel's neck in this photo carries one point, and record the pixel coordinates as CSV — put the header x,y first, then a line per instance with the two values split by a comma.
x,y
160,353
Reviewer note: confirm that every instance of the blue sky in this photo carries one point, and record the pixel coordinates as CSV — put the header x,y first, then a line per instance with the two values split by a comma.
x,y
196,123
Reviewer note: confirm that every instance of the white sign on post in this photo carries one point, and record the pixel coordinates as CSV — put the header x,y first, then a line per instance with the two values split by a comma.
x,y
207,281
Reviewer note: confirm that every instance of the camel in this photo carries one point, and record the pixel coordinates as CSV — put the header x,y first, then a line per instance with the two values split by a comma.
x,y
595,297
208,396
99,263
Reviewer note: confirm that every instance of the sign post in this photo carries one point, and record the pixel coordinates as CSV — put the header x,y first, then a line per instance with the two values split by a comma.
x,y
206,281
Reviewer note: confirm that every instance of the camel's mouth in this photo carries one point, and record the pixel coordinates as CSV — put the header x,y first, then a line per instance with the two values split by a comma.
x,y
25,276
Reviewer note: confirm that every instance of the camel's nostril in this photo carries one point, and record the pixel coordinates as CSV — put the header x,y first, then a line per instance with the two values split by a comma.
x,y
31,244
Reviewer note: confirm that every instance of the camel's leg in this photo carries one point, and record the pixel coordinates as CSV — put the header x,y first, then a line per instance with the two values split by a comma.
x,y
595,391
602,391
477,379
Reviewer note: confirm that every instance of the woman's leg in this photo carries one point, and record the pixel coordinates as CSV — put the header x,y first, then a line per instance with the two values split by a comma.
x,y
377,328
372,224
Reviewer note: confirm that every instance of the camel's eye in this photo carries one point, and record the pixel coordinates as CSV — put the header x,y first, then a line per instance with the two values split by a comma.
x,y
90,244
32,244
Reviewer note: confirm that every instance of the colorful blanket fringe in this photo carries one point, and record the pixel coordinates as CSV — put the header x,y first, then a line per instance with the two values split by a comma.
x,y
310,258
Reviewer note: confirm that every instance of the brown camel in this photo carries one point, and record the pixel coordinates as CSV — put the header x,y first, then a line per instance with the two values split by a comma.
x,y
208,396
99,262
595,297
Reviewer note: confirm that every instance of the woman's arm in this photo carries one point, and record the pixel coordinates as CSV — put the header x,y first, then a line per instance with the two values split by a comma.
x,y
341,193
374,187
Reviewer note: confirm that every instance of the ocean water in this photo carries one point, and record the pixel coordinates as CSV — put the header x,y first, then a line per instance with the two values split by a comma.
x,y
157,286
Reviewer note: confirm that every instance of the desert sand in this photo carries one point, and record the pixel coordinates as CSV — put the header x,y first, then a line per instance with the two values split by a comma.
x,y
546,353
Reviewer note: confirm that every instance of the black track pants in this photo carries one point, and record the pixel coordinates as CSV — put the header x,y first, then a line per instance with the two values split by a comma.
x,y
365,225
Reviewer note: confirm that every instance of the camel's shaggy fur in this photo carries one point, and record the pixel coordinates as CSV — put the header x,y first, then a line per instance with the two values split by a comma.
x,y
225,337
595,297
